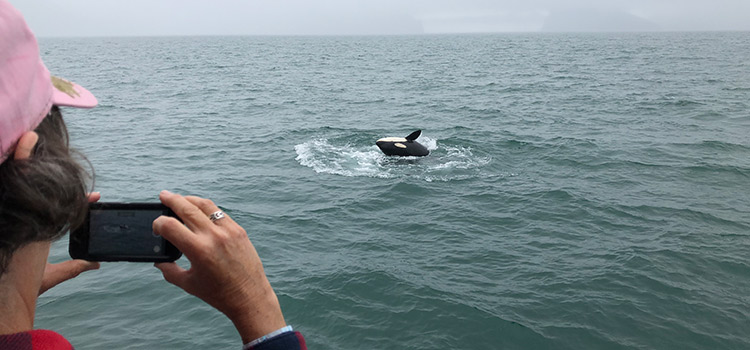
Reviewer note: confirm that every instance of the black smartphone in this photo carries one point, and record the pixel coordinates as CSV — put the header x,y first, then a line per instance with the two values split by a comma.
x,y
122,232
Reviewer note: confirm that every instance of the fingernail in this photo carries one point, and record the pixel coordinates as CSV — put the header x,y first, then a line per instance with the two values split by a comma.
x,y
156,225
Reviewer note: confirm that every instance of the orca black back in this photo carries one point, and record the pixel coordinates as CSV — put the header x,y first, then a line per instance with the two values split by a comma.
x,y
403,146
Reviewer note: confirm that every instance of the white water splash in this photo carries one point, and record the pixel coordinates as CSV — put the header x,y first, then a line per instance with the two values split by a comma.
x,y
443,164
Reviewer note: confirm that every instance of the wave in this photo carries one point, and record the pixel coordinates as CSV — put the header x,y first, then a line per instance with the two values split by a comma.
x,y
717,145
445,163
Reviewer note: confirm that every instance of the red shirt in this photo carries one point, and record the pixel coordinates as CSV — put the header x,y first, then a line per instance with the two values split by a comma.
x,y
38,339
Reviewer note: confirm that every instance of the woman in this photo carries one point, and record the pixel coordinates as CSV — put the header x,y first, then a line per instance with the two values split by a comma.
x,y
43,195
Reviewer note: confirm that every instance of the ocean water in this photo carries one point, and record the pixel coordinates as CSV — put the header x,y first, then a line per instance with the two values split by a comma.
x,y
584,191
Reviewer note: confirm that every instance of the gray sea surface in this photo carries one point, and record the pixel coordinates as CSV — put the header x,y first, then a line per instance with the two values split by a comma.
x,y
584,191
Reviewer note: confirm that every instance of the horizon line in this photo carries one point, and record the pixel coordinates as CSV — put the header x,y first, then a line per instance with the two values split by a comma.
x,y
390,34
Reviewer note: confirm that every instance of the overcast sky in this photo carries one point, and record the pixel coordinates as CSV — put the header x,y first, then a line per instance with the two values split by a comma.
x,y
356,17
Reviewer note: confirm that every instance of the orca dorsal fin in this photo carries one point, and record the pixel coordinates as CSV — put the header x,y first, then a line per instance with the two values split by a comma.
x,y
413,136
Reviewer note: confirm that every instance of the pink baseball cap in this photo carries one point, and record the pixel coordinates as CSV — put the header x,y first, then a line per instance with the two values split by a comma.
x,y
27,90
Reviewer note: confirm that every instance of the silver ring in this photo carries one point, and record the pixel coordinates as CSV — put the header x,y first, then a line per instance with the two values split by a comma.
x,y
216,215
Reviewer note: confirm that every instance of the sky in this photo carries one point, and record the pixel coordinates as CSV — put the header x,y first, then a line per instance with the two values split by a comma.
x,y
372,17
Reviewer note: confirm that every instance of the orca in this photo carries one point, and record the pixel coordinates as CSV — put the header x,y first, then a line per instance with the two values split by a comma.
x,y
403,146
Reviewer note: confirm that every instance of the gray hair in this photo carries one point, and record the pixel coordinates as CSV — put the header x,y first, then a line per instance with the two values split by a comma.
x,y
42,197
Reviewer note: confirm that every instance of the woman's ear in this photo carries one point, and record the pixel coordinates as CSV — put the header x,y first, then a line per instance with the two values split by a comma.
x,y
25,145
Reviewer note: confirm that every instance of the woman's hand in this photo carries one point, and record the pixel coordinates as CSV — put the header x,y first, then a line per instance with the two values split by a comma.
x,y
225,270
55,274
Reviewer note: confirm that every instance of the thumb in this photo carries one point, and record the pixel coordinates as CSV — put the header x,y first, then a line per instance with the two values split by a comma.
x,y
55,274
81,266
72,268
173,273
